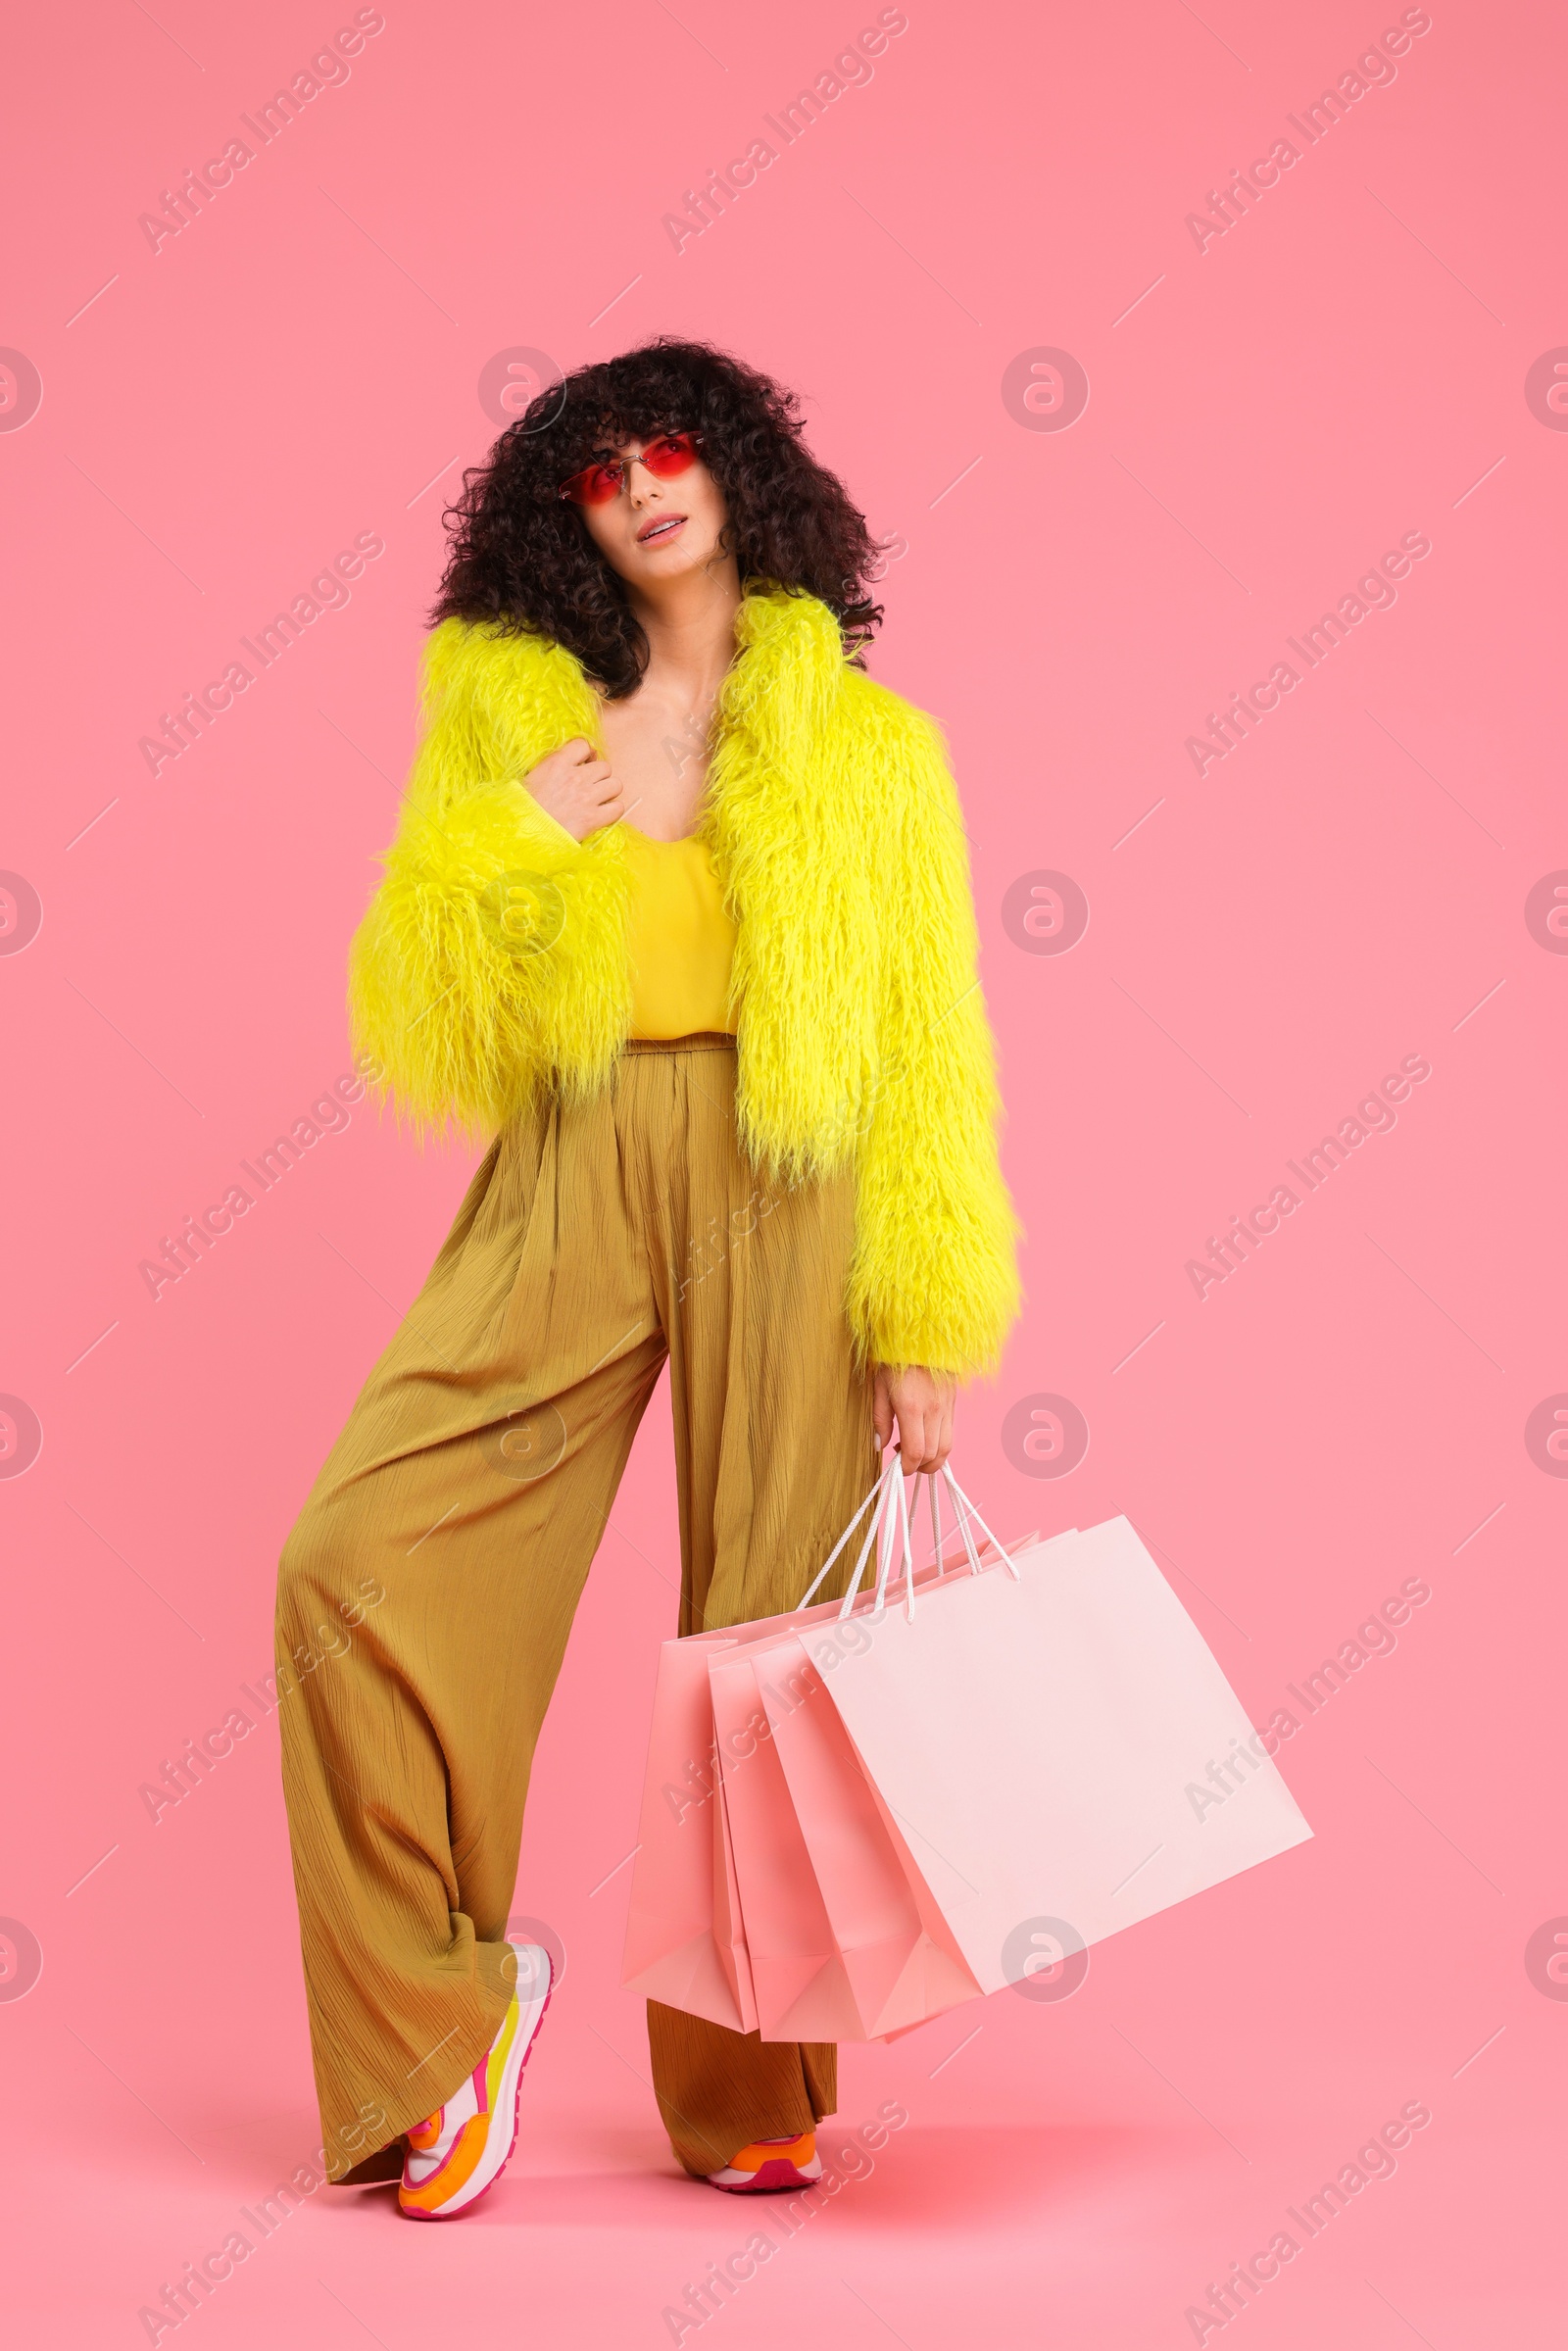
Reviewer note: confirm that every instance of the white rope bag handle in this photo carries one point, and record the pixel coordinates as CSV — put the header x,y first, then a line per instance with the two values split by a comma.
x,y
890,1521
885,1560
964,1511
879,1494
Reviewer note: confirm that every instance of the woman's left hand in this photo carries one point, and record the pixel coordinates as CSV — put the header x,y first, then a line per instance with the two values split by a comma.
x,y
922,1402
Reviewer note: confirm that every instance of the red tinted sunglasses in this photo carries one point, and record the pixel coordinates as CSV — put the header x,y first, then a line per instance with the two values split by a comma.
x,y
596,484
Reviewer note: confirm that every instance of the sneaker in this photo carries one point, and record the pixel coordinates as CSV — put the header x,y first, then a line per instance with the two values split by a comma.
x,y
455,2154
769,2164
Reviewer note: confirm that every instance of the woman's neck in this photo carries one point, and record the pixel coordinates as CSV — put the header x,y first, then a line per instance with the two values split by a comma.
x,y
689,628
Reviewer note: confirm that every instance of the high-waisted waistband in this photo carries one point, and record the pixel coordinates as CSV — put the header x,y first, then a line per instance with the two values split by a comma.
x,y
706,1041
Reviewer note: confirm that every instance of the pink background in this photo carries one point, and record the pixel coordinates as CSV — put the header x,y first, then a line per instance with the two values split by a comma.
x,y
1343,365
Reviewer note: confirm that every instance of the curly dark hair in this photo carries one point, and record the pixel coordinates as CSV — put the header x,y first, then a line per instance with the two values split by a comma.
x,y
521,559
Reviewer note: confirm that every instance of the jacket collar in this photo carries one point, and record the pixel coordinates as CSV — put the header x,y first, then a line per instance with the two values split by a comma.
x,y
789,666
779,698
783,686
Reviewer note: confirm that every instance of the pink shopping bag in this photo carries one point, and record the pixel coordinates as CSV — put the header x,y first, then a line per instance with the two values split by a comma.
x,y
685,1935
685,1932
724,1887
730,1929
893,1960
896,1955
1041,1737
800,1989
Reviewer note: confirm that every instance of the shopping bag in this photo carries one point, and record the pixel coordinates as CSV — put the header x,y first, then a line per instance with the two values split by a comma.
x,y
729,1929
1048,1740
720,1857
685,1935
788,1938
685,1932
896,1955
889,1958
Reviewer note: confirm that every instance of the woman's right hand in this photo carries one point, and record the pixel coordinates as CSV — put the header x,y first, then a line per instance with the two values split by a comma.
x,y
576,787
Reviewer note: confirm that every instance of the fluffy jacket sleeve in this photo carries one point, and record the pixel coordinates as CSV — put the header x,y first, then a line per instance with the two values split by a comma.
x,y
493,955
935,1274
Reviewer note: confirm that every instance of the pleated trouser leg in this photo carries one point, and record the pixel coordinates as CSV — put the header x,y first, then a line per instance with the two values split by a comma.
x,y
428,1590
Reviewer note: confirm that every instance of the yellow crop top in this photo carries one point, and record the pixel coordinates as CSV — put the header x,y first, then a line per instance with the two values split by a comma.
x,y
681,939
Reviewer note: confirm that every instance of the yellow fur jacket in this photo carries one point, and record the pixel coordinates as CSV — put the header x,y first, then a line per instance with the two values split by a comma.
x,y
834,829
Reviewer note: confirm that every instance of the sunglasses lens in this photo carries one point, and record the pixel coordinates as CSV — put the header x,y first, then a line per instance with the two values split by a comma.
x,y
670,455
594,485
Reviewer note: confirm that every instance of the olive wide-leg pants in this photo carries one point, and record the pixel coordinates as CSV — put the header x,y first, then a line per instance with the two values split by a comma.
x,y
426,1593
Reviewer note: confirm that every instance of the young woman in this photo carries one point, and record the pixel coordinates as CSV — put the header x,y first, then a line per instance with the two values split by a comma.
x,y
678,914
